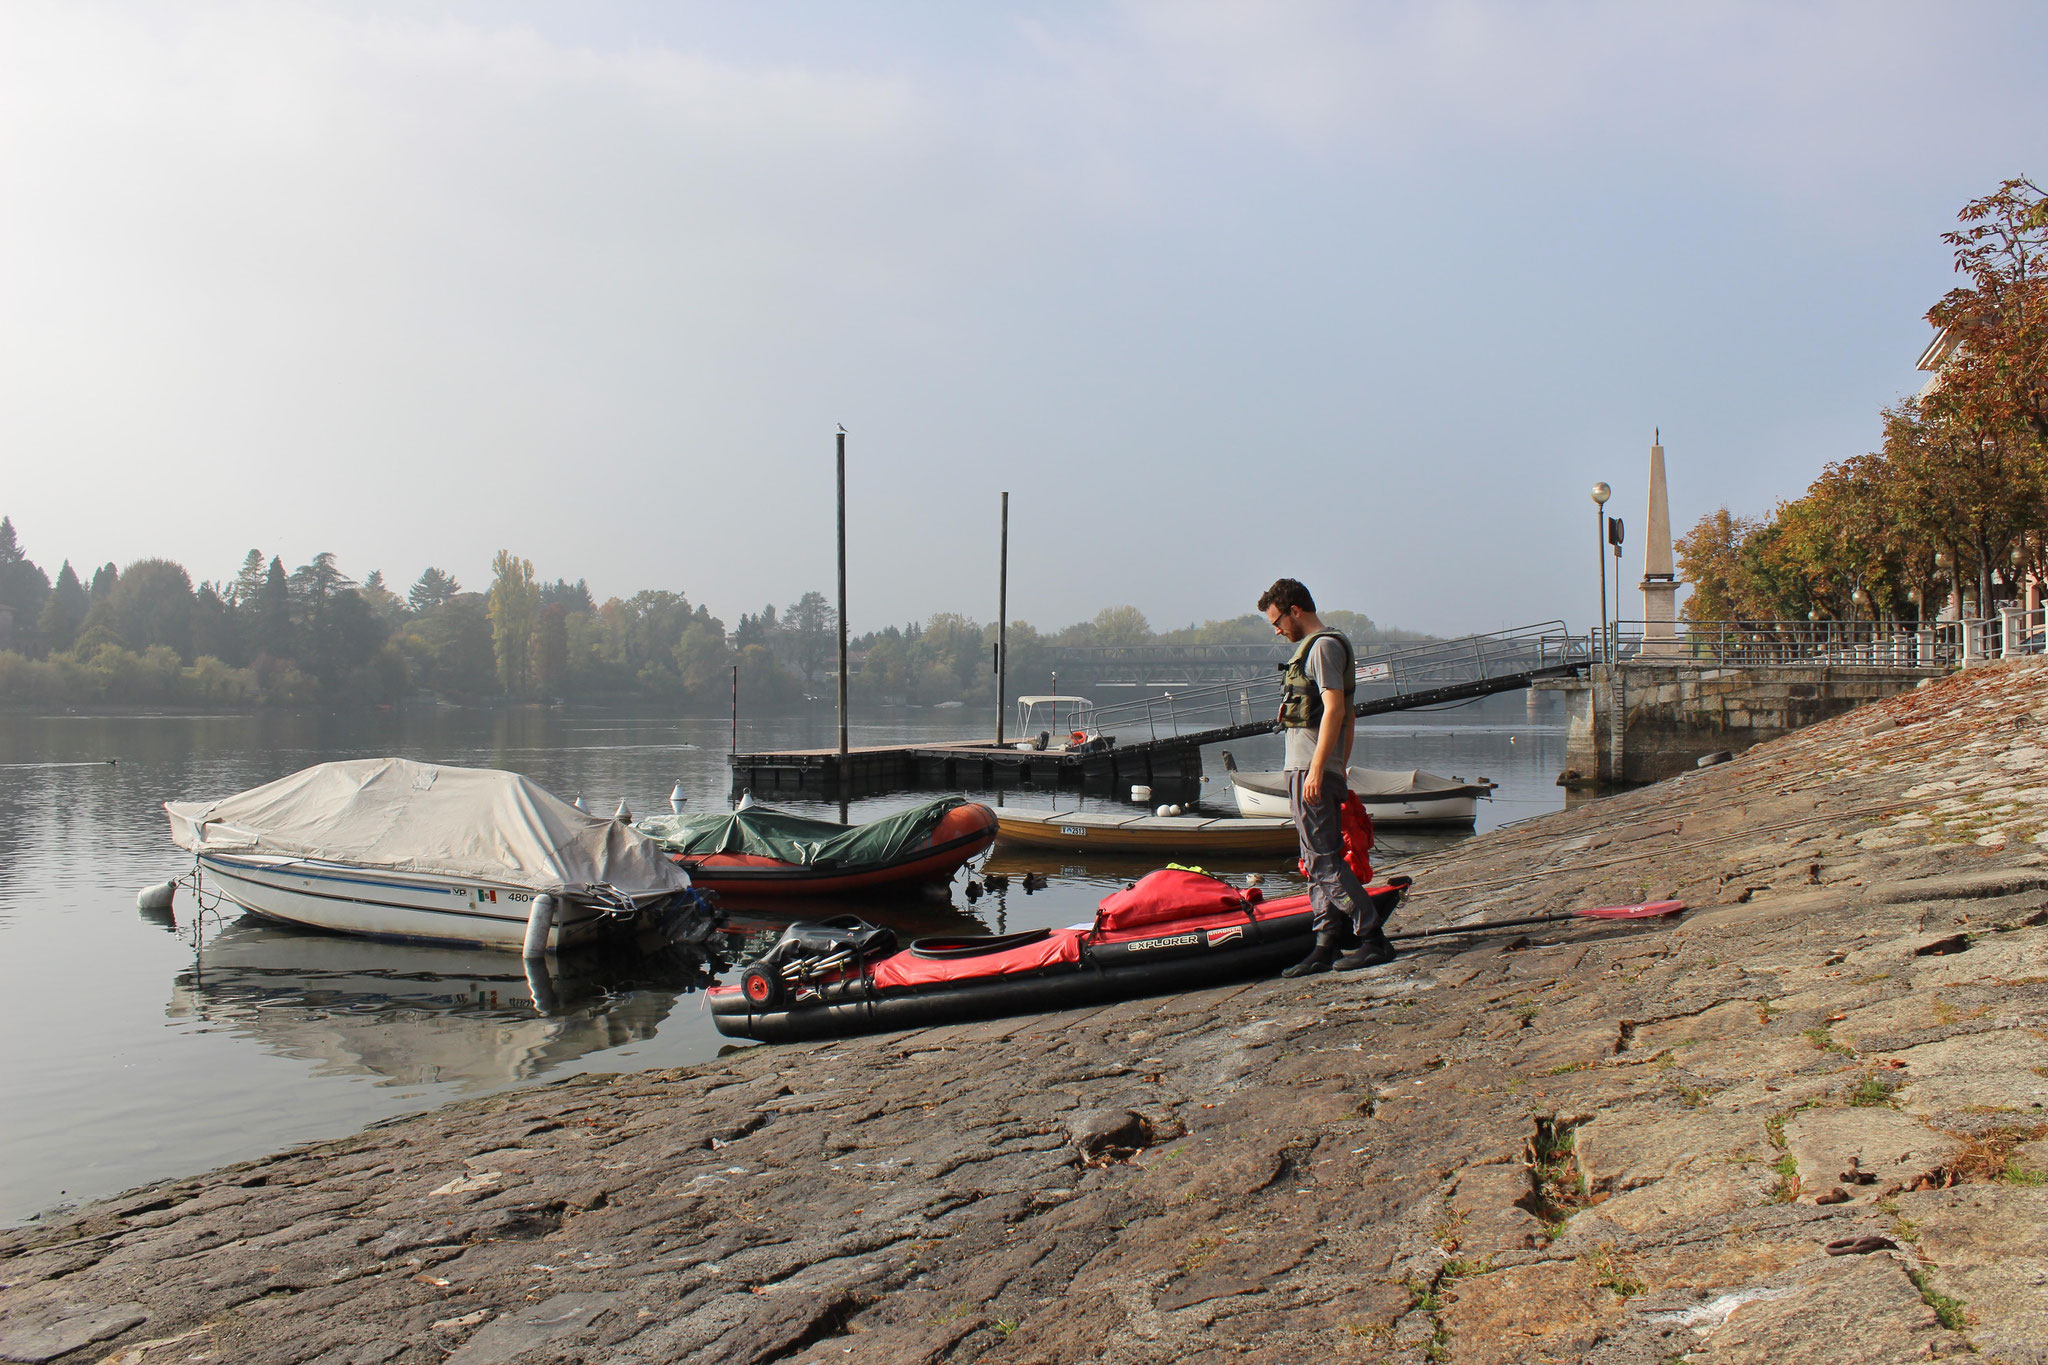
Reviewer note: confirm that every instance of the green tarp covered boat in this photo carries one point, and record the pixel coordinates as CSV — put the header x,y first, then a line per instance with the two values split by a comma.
x,y
759,850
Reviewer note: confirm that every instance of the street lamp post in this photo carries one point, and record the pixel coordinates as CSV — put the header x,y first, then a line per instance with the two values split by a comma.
x,y
1601,493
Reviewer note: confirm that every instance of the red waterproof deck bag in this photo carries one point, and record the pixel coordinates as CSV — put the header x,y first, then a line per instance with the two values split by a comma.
x,y
1165,896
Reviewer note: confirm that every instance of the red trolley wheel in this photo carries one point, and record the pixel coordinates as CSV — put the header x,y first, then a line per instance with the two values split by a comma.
x,y
762,987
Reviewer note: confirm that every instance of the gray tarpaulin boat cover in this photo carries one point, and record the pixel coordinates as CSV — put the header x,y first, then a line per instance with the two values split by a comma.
x,y
402,816
769,833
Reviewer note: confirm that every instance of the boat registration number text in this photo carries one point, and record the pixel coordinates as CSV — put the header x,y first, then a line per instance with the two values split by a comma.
x,y
1072,829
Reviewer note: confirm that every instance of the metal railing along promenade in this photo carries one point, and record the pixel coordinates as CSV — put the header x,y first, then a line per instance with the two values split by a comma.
x,y
1790,644
1397,679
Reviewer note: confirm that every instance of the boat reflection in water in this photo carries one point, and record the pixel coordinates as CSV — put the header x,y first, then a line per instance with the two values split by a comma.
x,y
409,1014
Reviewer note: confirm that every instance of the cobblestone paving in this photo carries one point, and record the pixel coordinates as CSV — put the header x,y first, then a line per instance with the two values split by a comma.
x,y
1803,1123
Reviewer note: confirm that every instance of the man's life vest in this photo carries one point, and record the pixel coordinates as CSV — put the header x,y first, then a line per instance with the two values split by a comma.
x,y
1301,706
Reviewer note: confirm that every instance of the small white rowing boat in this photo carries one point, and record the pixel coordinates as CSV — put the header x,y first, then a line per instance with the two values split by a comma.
x,y
1391,796
400,850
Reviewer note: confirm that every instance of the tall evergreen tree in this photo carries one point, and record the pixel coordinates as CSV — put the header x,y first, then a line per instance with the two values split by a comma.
x,y
23,586
103,580
387,606
320,580
63,610
434,589
274,613
248,585
213,626
570,597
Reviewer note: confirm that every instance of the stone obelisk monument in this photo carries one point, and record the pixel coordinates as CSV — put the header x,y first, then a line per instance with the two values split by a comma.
x,y
1660,580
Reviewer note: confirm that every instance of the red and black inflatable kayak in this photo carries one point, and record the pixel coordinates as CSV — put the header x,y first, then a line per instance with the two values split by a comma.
x,y
1173,930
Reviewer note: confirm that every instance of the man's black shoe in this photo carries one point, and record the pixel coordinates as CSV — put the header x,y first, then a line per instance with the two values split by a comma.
x,y
1319,960
1373,950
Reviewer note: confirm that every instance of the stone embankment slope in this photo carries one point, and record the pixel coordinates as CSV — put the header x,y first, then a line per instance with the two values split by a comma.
x,y
1804,1123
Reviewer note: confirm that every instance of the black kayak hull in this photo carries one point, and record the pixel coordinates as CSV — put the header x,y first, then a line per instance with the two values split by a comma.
x,y
1068,988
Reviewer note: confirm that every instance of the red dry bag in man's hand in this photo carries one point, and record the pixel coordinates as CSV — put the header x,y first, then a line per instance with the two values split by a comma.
x,y
1357,827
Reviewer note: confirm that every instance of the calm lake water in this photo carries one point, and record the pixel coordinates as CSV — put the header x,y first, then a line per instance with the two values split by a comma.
x,y
140,1047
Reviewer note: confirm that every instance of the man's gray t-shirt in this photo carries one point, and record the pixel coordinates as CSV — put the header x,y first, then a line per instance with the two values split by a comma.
x,y
1325,670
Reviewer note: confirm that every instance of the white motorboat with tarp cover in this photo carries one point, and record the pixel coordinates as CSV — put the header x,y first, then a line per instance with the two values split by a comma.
x,y
1391,796
395,849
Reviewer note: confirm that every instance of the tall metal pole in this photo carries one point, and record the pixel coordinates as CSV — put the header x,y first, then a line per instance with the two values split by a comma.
x,y
1600,525
735,708
1003,624
842,627
1601,493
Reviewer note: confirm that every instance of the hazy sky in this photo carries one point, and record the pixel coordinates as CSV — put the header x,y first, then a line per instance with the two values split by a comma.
x,y
1365,293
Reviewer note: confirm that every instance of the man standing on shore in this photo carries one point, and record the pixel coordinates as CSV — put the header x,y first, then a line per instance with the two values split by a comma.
x,y
1315,714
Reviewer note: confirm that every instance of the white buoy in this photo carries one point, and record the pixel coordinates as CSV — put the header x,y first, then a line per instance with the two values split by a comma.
x,y
676,799
158,897
1141,796
540,918
623,814
578,804
1175,810
1161,812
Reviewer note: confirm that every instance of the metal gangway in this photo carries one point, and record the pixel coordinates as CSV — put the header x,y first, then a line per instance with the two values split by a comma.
x,y
1398,678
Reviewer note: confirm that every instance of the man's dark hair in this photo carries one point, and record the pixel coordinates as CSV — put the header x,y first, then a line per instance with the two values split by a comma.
x,y
1286,593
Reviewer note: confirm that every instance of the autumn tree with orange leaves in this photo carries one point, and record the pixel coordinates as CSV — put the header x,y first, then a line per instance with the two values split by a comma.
x,y
1963,472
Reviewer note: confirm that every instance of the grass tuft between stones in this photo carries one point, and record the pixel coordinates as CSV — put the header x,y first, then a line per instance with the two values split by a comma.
x,y
1873,1092
1787,1188
1824,1042
1950,1311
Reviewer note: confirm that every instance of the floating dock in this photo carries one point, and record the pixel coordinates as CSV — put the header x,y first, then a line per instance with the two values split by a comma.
x,y
1171,767
1162,736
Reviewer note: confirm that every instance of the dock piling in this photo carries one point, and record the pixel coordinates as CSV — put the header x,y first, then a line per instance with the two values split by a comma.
x,y
843,786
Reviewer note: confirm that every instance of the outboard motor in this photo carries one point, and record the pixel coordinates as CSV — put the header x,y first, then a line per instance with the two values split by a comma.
x,y
809,951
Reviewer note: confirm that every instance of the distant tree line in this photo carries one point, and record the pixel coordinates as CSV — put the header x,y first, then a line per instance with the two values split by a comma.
x,y
314,637
1954,506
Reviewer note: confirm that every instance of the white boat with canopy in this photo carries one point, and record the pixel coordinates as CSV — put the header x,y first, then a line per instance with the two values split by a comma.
x,y
1391,796
395,849
1054,723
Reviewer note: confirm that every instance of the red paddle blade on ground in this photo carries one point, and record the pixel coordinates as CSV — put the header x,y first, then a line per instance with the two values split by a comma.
x,y
1647,910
